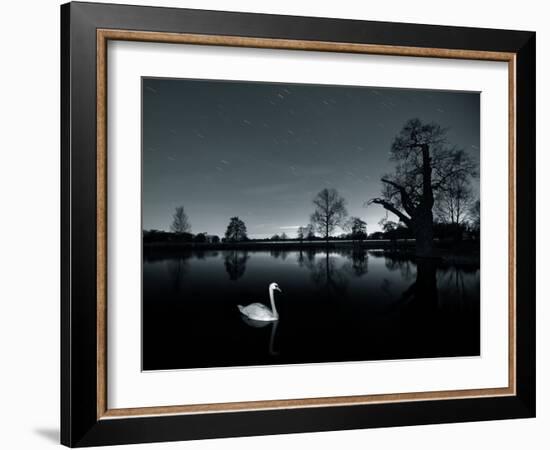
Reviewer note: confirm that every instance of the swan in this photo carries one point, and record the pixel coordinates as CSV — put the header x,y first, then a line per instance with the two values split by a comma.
x,y
260,312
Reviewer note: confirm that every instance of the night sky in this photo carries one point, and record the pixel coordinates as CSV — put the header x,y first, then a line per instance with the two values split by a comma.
x,y
261,151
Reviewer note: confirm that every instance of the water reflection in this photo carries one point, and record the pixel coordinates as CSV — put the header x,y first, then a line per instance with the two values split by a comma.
x,y
279,253
331,269
263,324
422,294
177,268
359,264
326,272
235,264
401,262
340,304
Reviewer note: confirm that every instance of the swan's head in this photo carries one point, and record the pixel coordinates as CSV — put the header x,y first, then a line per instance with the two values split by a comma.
x,y
274,287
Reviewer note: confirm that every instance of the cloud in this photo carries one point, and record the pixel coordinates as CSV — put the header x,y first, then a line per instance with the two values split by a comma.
x,y
290,227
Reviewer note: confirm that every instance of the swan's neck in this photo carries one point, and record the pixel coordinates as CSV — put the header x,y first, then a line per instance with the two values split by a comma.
x,y
272,299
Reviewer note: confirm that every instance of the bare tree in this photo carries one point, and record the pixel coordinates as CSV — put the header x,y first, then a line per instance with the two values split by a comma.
x,y
300,233
236,230
330,212
425,165
180,222
284,237
453,203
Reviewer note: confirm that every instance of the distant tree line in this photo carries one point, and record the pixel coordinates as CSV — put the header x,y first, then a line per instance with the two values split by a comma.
x,y
180,231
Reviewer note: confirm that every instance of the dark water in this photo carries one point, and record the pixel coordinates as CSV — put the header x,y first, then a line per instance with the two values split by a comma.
x,y
344,305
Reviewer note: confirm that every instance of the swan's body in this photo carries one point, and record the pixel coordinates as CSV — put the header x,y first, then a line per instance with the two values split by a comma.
x,y
260,312
257,311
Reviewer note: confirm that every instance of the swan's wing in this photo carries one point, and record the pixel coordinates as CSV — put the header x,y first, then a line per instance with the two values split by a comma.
x,y
256,311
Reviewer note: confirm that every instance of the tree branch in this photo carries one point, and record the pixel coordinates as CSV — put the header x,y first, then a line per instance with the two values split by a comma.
x,y
405,198
387,205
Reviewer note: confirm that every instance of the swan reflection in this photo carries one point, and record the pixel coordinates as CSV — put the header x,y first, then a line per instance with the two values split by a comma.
x,y
263,324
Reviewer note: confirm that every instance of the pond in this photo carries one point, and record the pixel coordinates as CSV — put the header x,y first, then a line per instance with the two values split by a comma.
x,y
348,304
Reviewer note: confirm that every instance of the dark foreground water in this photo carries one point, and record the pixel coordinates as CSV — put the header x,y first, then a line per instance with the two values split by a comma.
x,y
344,305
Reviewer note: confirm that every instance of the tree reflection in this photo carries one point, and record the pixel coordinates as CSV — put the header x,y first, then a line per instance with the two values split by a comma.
x,y
422,295
177,268
400,262
306,257
235,264
459,278
359,264
279,253
324,271
437,284
327,270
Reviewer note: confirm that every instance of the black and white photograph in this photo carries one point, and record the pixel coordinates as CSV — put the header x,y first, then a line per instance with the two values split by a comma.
x,y
299,223
275,225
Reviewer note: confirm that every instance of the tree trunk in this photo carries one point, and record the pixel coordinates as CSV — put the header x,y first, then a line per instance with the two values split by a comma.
x,y
424,234
426,285
422,295
424,221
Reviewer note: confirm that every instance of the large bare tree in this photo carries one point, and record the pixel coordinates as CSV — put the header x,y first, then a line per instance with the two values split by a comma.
x,y
330,212
425,165
180,222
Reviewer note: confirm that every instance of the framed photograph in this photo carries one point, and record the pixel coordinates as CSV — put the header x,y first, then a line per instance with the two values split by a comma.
x,y
276,224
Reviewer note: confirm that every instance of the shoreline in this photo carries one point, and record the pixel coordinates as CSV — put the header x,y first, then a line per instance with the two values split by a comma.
x,y
454,252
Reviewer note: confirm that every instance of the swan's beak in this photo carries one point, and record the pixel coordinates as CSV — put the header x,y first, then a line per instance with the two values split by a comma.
x,y
279,289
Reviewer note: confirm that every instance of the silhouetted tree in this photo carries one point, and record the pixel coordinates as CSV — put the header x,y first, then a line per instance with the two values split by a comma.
x,y
200,238
447,230
357,228
275,237
236,230
310,232
330,212
376,235
452,204
284,237
180,222
388,227
425,165
300,233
